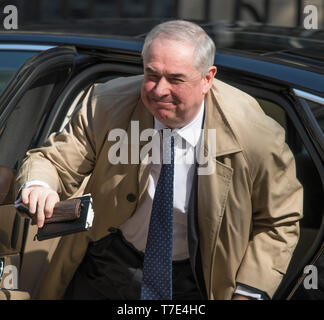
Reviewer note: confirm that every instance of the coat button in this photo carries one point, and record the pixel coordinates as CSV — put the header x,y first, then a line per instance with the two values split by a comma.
x,y
131,197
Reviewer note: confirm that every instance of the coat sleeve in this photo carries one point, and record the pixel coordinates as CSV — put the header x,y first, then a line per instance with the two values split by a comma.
x,y
277,202
67,157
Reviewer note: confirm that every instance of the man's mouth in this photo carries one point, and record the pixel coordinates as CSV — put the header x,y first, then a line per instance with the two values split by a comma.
x,y
164,103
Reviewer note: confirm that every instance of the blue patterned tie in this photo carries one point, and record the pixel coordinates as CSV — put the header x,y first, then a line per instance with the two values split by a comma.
x,y
157,269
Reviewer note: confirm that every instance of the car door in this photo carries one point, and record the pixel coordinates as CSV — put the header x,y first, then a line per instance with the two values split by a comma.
x,y
54,83
310,284
280,102
24,107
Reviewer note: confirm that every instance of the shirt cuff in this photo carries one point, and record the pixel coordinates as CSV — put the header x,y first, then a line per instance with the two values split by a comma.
x,y
34,183
248,292
29,184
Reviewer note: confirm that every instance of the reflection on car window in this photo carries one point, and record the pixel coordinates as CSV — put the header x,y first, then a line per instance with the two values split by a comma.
x,y
10,62
318,112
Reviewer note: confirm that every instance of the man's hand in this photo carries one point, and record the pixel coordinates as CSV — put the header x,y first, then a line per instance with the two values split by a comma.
x,y
41,201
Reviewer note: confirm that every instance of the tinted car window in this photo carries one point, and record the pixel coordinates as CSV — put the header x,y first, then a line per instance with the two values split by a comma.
x,y
274,111
10,62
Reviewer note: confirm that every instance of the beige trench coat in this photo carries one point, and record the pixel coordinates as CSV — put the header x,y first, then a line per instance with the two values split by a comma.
x,y
248,208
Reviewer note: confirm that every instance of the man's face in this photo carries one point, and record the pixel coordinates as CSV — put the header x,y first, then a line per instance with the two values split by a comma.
x,y
173,89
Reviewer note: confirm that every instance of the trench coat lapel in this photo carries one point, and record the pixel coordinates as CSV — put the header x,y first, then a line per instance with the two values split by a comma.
x,y
213,188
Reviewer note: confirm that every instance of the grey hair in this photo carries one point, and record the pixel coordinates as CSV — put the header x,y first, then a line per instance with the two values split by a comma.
x,y
185,31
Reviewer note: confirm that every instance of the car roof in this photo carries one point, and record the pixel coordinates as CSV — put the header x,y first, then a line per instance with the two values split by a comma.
x,y
225,34
298,49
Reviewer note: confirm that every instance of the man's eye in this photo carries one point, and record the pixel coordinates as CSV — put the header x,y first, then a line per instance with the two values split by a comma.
x,y
175,80
153,77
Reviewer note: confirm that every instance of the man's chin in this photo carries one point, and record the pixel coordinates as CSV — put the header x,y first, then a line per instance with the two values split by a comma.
x,y
164,115
167,120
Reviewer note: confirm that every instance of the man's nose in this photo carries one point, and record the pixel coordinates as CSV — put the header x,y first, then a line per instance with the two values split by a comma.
x,y
162,87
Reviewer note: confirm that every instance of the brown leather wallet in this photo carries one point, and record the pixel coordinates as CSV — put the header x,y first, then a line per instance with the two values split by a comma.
x,y
67,210
69,216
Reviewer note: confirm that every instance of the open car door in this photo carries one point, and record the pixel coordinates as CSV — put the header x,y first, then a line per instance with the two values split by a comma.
x,y
24,107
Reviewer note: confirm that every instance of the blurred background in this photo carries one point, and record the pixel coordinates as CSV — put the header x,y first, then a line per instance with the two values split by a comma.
x,y
288,13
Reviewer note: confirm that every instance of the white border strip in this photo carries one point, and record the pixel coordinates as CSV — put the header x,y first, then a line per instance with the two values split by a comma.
x,y
25,47
308,96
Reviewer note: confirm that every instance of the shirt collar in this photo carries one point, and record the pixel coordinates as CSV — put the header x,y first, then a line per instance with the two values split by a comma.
x,y
191,132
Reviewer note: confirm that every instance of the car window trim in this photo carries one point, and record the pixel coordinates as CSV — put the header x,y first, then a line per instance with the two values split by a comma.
x,y
308,96
24,47
308,117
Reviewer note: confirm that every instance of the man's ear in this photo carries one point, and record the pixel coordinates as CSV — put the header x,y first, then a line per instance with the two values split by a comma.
x,y
208,79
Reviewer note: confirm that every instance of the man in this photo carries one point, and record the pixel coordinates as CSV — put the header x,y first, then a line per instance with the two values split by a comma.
x,y
235,225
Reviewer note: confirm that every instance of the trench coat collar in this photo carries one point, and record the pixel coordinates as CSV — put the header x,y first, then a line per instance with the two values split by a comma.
x,y
216,118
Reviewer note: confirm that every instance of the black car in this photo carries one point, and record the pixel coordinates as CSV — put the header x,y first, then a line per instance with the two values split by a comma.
x,y
43,76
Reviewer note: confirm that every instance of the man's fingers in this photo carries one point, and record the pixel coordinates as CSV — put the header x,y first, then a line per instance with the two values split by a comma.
x,y
25,195
33,200
41,201
50,202
40,210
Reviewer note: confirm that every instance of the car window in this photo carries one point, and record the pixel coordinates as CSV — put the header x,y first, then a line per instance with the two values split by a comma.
x,y
28,112
10,62
76,102
274,111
